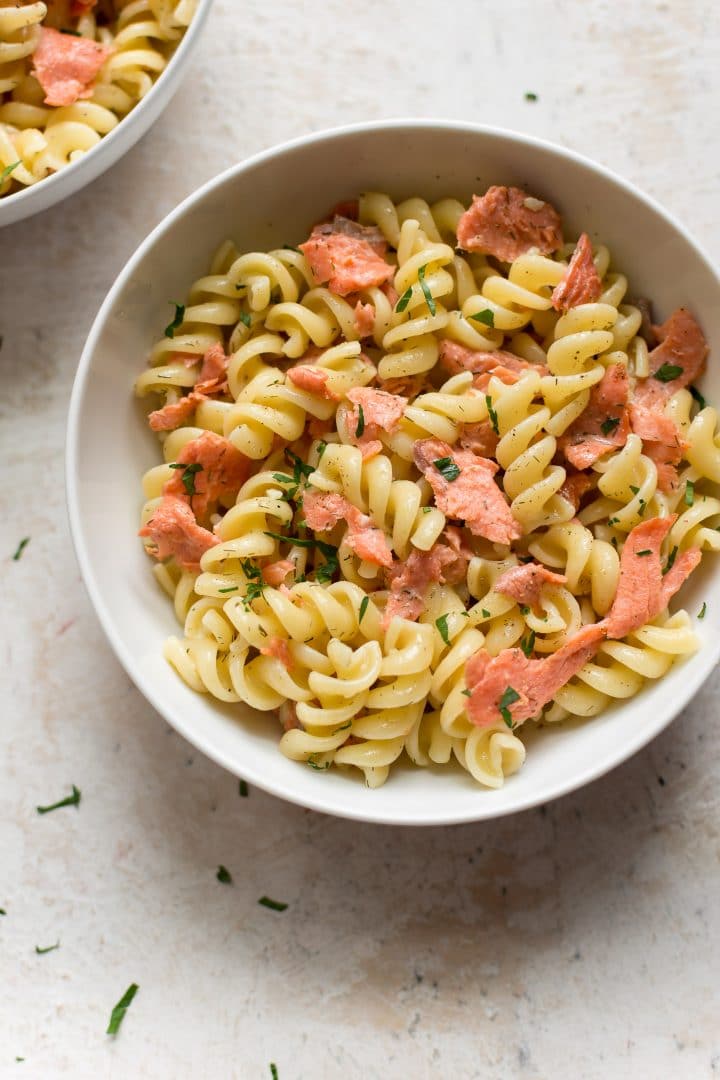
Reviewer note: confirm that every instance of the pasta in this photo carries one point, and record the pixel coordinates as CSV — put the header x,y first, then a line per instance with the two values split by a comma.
x,y
425,484
70,70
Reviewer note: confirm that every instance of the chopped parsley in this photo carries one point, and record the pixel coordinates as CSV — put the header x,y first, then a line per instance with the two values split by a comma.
x,y
645,551
71,800
223,875
273,1071
343,727
282,478
528,644
118,1014
250,570
177,321
254,591
467,693
47,949
245,318
361,422
486,317
7,170
442,625
72,33
671,560
689,492
426,291
312,762
230,588
426,509
610,424
363,608
243,789
3,911
21,547
485,613
289,247
447,468
668,372
188,476
492,414
524,609
510,695
530,95
404,299
613,521
634,489
322,447
274,905
702,611
698,396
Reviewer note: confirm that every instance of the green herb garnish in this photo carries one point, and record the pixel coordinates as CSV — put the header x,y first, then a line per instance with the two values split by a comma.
x,y
245,318
253,592
230,588
528,644
509,696
322,447
447,468
610,424
289,247
524,609
274,905
426,509
667,372
21,547
49,948
698,396
426,291
188,476
645,551
250,570
224,875
343,727
467,693
177,321
492,414
118,1014
442,625
71,800
671,560
530,95
701,615
312,762
485,613
404,299
363,608
243,789
273,1071
486,317
361,422
689,492
8,169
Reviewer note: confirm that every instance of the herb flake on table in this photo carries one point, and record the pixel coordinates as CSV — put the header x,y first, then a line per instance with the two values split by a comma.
x,y
70,800
243,789
701,615
177,321
530,95
273,1071
20,548
223,875
274,905
118,1014
47,949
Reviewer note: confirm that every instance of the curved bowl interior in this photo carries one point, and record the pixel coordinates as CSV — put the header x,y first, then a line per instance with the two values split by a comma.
x,y
60,185
270,200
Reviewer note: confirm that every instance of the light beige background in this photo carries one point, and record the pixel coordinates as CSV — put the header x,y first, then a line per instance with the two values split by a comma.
x,y
578,940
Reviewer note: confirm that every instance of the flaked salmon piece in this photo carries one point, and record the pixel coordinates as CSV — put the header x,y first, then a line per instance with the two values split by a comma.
x,y
275,573
581,283
364,321
288,716
313,379
481,438
174,531
522,686
324,510
347,256
647,330
82,7
643,591
381,412
175,414
666,458
278,647
506,222
370,448
318,429
456,571
604,424
409,581
348,208
408,386
524,583
213,373
66,66
676,362
223,470
464,488
652,425
576,485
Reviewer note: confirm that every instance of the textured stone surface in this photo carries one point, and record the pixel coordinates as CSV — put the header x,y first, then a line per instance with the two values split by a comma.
x,y
579,940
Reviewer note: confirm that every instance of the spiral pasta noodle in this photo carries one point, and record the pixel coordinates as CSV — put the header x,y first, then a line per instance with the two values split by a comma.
x,y
405,460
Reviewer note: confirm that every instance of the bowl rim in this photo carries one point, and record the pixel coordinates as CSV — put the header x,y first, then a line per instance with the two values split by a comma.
x,y
66,175
617,753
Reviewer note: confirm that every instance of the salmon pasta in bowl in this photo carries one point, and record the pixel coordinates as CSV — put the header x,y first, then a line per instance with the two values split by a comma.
x,y
430,478
71,71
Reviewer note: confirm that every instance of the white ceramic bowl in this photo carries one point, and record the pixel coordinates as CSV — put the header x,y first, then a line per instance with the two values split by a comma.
x,y
58,186
264,202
